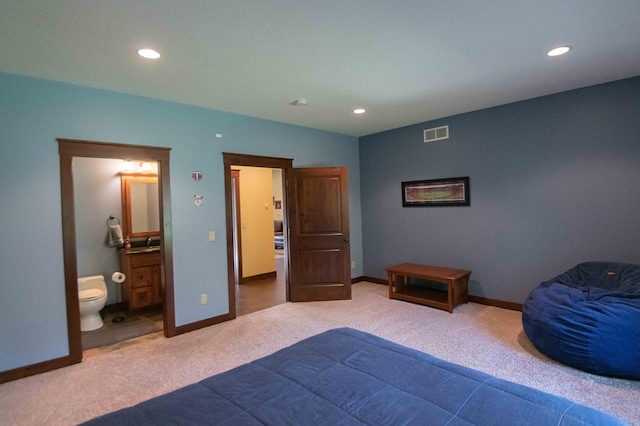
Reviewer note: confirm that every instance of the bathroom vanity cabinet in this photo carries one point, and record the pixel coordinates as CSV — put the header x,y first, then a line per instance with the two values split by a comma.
x,y
142,287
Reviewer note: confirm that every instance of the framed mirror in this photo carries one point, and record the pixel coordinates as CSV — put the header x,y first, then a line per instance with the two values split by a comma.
x,y
140,204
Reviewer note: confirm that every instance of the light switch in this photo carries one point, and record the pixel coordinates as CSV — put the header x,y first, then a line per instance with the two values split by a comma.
x,y
212,236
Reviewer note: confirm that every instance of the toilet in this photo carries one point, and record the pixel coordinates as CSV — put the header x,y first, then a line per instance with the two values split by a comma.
x,y
92,293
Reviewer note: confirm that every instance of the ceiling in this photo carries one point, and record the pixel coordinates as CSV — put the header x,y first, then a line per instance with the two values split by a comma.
x,y
404,61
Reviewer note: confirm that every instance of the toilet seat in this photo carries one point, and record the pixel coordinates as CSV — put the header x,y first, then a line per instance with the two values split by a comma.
x,y
90,294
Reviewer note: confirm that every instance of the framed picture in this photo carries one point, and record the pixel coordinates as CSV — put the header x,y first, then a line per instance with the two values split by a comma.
x,y
436,192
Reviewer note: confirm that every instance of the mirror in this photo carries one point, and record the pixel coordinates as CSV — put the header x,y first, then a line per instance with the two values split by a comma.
x,y
141,217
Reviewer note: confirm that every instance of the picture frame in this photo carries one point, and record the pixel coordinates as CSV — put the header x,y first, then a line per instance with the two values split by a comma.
x,y
436,192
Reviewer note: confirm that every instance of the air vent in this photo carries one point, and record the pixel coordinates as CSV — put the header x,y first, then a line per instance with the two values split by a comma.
x,y
436,134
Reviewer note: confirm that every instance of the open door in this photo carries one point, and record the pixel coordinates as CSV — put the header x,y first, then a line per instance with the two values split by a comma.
x,y
319,255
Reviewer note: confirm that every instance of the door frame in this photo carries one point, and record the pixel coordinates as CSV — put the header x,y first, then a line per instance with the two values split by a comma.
x,y
70,148
237,237
232,159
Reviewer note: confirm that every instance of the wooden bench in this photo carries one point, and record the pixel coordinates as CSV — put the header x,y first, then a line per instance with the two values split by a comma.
x,y
456,280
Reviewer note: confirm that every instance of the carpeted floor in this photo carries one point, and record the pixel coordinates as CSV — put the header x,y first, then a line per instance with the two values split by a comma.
x,y
481,337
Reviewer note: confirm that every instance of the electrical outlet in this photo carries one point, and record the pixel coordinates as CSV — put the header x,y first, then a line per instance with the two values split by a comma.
x,y
212,236
353,264
203,299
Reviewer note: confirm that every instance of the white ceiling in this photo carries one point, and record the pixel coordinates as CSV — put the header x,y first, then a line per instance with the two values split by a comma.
x,y
405,61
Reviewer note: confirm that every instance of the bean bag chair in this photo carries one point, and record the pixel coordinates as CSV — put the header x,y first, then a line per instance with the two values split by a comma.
x,y
589,318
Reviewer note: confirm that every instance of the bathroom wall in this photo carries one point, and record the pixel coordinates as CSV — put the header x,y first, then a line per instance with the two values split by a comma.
x,y
97,195
34,112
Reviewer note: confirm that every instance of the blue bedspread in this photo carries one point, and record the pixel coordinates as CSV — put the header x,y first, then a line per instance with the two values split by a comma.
x,y
347,377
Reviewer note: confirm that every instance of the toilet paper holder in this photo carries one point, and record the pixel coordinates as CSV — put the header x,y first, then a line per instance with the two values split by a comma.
x,y
118,278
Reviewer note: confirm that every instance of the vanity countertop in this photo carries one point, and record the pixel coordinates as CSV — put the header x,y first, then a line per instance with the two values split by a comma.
x,y
144,249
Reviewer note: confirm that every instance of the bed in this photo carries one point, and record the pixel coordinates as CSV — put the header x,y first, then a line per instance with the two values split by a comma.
x,y
348,377
278,234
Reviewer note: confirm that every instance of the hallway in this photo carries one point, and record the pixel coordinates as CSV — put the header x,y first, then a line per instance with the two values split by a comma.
x,y
263,294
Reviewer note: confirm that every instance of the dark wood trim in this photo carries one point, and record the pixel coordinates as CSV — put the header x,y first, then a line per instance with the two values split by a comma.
x,y
33,369
202,324
375,280
235,179
84,148
166,242
475,299
68,149
497,303
259,277
230,160
256,161
70,260
231,267
286,172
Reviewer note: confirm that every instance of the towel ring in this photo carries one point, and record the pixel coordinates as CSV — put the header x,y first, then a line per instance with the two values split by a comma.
x,y
111,219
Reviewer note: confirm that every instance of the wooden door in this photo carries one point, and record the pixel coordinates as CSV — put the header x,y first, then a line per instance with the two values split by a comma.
x,y
319,256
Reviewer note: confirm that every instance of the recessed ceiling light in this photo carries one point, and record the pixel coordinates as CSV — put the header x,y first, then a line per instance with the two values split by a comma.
x,y
148,53
559,51
359,111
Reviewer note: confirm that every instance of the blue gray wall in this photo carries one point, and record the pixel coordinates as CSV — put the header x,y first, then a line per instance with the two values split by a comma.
x,y
33,113
554,181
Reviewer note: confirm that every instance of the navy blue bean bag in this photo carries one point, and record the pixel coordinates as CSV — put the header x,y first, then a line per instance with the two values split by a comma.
x,y
589,318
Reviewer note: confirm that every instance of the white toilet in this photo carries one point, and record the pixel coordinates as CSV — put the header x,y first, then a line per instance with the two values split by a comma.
x,y
92,293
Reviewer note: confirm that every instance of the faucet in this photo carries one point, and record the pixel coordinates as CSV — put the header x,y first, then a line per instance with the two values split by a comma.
x,y
148,241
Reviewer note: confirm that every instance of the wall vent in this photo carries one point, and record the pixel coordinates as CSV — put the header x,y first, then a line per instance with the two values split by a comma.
x,y
436,134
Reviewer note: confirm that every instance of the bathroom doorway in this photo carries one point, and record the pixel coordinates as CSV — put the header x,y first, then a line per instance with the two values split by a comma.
x,y
73,149
117,200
